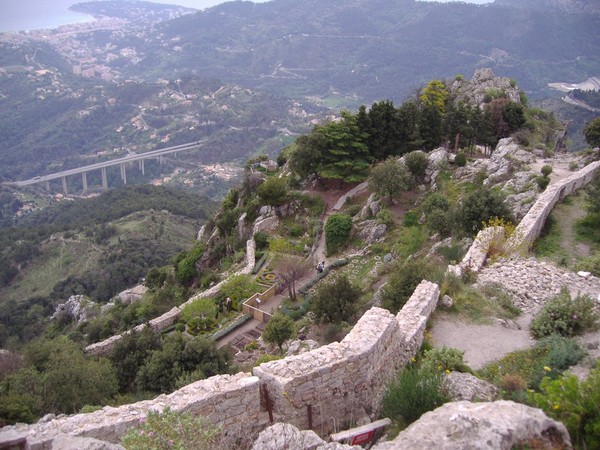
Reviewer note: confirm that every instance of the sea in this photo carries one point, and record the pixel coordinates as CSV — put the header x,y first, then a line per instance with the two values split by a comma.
x,y
22,15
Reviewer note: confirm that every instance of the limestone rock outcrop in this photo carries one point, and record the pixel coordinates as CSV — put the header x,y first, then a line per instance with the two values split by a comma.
x,y
78,308
495,425
464,386
482,84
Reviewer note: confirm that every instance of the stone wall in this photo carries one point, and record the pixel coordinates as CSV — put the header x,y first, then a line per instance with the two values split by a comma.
x,y
330,386
345,381
170,317
530,226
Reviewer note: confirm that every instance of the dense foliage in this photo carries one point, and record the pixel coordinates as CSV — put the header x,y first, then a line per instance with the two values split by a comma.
x,y
337,232
336,301
565,316
344,149
576,404
169,430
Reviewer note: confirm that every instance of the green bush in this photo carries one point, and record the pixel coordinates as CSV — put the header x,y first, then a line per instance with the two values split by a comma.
x,y
337,232
267,358
548,358
385,217
576,404
460,159
436,201
410,219
444,359
402,283
337,301
171,430
413,393
564,316
479,207
546,170
542,182
262,240
591,264
417,163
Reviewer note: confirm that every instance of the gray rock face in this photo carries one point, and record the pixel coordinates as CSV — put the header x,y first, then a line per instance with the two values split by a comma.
x,y
464,386
371,231
438,159
78,308
299,347
66,442
282,436
506,159
483,82
474,426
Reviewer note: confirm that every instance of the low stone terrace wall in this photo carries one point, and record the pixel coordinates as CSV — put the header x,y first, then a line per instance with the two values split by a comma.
x,y
323,389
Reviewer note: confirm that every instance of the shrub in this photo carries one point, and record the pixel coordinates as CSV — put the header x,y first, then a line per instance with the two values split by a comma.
x,y
591,264
479,207
574,403
337,232
171,430
262,240
444,359
279,329
385,217
573,166
336,302
417,163
542,182
401,284
564,316
267,358
548,358
436,201
413,393
546,170
460,159
410,219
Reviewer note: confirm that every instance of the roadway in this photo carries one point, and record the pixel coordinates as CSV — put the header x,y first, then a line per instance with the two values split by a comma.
x,y
112,162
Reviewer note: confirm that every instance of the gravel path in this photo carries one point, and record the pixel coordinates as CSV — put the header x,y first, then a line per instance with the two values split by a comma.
x,y
482,344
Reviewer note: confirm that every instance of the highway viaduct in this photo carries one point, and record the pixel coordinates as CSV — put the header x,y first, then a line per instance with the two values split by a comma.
x,y
122,162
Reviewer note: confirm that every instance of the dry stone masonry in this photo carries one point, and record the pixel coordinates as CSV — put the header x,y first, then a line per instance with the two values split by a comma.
x,y
531,283
324,388
170,317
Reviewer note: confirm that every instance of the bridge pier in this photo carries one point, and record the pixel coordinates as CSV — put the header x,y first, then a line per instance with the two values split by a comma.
x,y
123,173
104,178
84,181
47,185
142,168
64,185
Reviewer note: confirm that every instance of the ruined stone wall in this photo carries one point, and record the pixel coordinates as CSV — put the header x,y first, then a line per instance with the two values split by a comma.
x,y
531,225
345,381
330,386
170,317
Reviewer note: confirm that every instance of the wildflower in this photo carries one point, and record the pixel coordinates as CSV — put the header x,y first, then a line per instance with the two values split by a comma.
x,y
547,369
142,432
413,359
170,442
574,316
151,433
555,407
447,370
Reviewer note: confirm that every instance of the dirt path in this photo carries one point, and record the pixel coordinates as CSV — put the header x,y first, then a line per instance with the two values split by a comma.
x,y
566,215
482,344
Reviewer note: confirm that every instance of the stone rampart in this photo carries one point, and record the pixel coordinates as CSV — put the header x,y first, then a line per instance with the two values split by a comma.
x,y
345,381
531,225
170,317
322,389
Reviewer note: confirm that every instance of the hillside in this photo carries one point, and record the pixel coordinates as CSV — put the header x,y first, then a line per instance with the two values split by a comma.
x,y
251,77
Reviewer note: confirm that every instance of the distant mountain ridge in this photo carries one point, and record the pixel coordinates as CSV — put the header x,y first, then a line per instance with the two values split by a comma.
x,y
374,49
